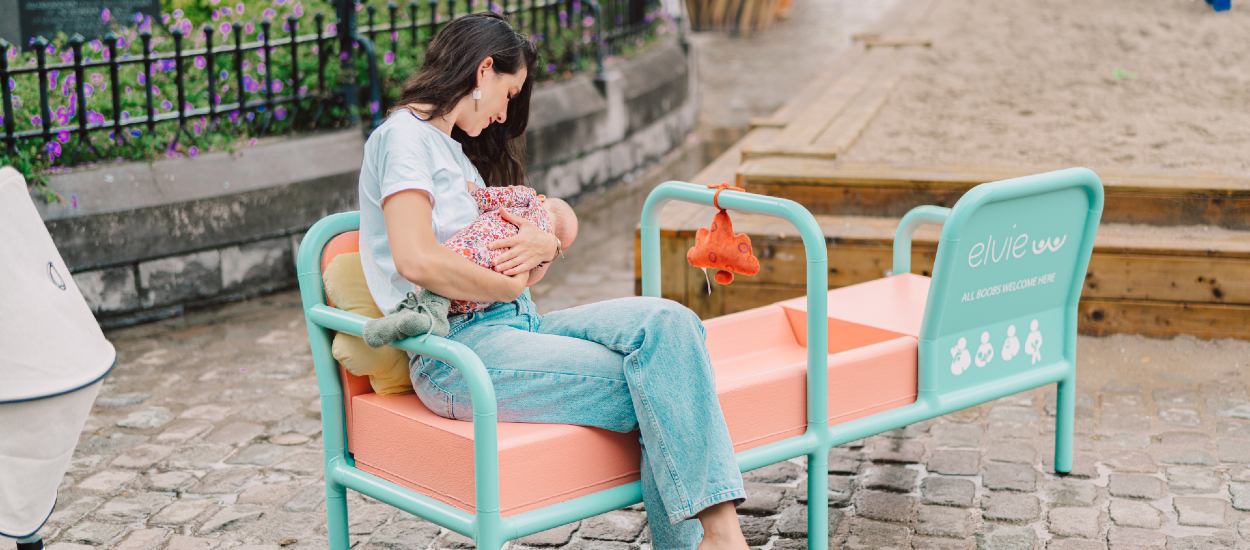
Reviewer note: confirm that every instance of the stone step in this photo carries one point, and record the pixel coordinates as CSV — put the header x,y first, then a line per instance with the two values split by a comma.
x,y
1156,281
841,188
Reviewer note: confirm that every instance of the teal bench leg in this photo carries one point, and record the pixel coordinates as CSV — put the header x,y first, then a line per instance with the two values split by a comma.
x,y
1065,413
818,499
336,516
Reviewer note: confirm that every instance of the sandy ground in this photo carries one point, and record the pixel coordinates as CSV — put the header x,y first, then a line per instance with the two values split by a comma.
x,y
1142,85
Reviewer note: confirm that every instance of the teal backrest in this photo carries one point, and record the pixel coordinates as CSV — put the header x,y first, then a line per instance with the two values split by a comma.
x,y
1009,270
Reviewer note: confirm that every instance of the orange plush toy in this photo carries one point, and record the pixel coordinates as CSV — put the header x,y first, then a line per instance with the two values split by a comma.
x,y
719,248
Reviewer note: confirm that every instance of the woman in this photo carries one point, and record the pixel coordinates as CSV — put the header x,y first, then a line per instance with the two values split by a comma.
x,y
624,364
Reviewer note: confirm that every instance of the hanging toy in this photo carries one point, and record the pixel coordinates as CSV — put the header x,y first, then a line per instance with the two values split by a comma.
x,y
719,248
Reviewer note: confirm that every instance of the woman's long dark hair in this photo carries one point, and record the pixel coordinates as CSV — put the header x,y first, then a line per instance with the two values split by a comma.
x,y
450,72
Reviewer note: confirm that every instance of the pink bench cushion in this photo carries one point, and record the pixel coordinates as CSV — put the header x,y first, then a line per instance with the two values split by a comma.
x,y
759,357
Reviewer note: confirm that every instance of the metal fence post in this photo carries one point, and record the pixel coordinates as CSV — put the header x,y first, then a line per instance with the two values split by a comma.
x,y
346,30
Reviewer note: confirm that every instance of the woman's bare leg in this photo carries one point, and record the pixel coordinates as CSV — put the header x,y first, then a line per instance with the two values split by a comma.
x,y
721,529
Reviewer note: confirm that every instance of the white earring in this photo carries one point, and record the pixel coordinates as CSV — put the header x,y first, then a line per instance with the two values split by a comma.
x,y
477,95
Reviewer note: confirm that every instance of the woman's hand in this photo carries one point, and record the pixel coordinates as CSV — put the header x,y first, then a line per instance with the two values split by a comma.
x,y
528,248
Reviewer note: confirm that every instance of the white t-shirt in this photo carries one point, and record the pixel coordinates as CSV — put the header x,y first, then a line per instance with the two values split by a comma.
x,y
404,153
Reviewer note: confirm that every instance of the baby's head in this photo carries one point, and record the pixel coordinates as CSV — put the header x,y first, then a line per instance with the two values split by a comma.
x,y
563,220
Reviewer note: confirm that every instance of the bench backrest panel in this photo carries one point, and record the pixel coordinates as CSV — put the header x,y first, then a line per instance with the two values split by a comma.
x,y
1008,275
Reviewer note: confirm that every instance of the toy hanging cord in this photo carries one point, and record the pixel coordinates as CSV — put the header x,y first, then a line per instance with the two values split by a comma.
x,y
719,248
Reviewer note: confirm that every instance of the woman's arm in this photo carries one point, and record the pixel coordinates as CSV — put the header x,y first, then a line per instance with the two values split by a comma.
x,y
421,259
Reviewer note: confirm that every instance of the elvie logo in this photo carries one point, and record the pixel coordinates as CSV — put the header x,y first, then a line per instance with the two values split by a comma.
x,y
995,250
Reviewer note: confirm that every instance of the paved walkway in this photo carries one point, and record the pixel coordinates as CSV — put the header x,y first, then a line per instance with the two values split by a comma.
x,y
208,433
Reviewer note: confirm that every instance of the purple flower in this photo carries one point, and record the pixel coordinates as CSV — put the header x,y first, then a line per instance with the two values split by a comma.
x,y
166,105
104,15
97,78
216,15
280,113
224,74
249,28
224,28
299,10
389,58
394,36
138,18
94,117
260,67
239,8
200,63
374,107
268,13
125,115
36,120
142,78
225,10
193,151
136,133
12,84
88,89
277,86
54,150
156,90
551,68
178,14
588,21
251,116
63,136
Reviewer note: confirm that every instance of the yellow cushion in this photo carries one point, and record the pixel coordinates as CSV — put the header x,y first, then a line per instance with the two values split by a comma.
x,y
386,367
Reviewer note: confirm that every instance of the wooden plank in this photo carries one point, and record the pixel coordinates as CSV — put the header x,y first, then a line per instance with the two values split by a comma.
x,y
826,187
1164,319
871,174
846,129
817,115
1168,278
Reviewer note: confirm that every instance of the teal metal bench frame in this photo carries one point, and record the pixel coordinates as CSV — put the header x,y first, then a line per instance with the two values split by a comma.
x,y
1076,192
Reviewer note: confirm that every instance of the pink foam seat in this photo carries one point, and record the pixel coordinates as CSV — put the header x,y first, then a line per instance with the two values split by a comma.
x,y
759,357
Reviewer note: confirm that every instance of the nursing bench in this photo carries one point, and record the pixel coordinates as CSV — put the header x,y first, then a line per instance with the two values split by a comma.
x,y
794,378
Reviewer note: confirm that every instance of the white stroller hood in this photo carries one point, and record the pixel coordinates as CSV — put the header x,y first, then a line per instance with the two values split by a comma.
x,y
52,358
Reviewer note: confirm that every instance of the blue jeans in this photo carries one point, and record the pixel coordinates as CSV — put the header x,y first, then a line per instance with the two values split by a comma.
x,y
637,363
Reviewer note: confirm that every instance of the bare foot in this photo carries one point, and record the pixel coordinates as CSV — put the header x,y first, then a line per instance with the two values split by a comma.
x,y
731,543
721,530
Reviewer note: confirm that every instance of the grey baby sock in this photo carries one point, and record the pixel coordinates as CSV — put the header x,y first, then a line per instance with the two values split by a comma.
x,y
425,313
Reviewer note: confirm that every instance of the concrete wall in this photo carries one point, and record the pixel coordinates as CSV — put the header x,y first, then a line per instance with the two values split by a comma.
x,y
148,240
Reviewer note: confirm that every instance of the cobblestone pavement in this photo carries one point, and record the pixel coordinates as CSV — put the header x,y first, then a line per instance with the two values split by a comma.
x,y
207,435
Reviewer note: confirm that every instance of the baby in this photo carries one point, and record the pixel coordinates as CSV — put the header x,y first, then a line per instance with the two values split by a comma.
x,y
426,312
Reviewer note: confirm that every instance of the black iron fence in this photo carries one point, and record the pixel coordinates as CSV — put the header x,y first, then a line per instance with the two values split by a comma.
x,y
179,89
